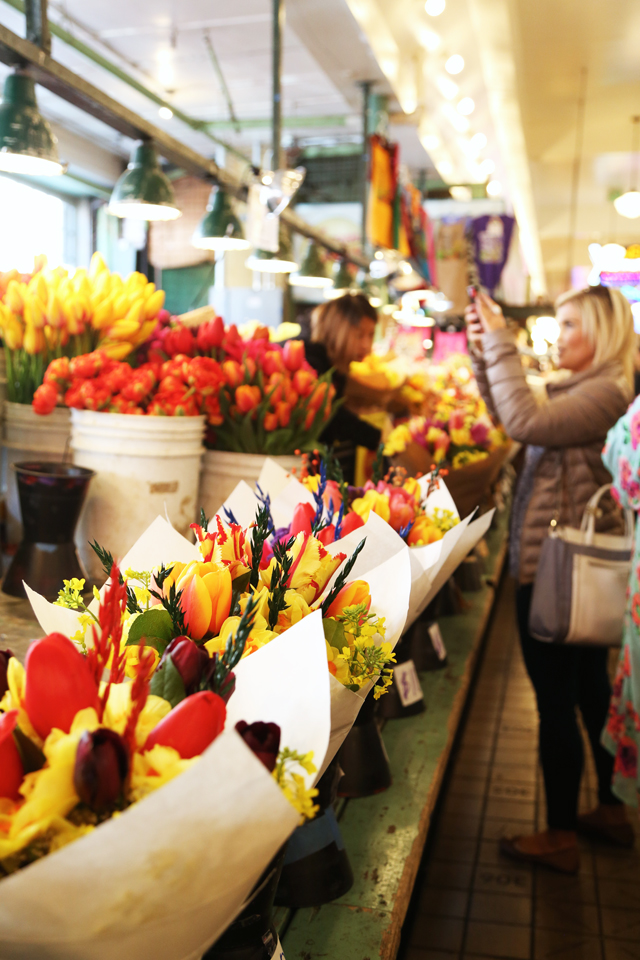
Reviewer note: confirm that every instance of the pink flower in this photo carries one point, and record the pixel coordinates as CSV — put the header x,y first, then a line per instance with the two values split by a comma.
x,y
635,429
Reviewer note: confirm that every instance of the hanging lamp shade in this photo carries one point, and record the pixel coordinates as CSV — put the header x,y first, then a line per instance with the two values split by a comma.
x,y
343,280
27,142
143,191
219,228
282,261
313,272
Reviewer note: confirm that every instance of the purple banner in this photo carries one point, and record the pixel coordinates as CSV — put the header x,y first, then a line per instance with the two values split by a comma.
x,y
491,239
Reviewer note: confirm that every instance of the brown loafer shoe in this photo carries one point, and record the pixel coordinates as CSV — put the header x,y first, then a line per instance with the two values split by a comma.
x,y
566,860
616,834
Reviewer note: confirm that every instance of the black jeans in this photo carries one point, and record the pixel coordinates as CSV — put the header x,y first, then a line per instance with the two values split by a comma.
x,y
564,678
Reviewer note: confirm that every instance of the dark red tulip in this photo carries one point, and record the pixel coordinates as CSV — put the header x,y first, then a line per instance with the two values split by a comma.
x,y
192,725
58,684
11,771
189,659
5,656
263,739
102,764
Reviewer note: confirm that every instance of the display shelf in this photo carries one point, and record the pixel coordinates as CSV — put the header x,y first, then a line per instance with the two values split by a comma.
x,y
385,834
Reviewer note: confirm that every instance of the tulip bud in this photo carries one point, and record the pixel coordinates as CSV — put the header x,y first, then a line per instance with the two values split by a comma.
x,y
352,594
58,684
189,660
293,354
5,656
327,535
191,726
11,770
263,739
101,767
45,399
248,397
303,515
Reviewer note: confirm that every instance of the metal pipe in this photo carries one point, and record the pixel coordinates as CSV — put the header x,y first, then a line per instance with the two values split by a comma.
x,y
91,54
221,80
38,24
276,130
16,51
366,86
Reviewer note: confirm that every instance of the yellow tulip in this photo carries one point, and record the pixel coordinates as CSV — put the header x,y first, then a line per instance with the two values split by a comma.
x,y
103,314
121,305
97,265
35,312
13,333
116,283
135,313
34,341
15,296
154,305
55,313
123,330
146,330
148,290
116,350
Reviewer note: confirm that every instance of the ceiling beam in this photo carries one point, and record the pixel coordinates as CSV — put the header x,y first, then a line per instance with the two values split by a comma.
x,y
16,51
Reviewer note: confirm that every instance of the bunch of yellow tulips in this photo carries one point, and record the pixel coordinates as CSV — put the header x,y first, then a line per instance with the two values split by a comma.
x,y
53,314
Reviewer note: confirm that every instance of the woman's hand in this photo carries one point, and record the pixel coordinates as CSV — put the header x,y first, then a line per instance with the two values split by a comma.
x,y
486,313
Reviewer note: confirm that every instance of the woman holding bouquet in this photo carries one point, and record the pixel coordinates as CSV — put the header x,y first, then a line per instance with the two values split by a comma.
x,y
564,437
342,330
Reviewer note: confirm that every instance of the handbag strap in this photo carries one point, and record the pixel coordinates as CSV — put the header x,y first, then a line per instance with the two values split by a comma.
x,y
588,524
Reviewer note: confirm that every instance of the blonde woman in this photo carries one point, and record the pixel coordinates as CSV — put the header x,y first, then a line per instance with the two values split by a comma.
x,y
563,467
342,330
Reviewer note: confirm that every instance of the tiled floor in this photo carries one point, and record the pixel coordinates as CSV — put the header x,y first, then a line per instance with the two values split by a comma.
x,y
469,901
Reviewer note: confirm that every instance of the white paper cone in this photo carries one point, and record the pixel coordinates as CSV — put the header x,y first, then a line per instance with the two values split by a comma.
x,y
242,503
273,478
163,880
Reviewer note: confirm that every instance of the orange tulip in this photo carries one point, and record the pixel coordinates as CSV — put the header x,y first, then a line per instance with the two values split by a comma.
x,y
304,381
293,354
270,421
248,397
197,607
351,595
218,583
232,373
283,411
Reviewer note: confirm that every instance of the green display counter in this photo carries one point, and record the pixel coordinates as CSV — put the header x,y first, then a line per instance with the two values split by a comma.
x,y
385,834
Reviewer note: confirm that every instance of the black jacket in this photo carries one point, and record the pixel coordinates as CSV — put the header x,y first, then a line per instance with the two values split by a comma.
x,y
345,425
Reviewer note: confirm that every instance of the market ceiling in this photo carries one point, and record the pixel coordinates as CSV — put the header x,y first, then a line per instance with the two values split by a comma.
x,y
523,68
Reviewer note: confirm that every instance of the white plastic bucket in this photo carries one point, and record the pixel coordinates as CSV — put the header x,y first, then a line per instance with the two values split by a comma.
x,y
28,436
145,466
222,471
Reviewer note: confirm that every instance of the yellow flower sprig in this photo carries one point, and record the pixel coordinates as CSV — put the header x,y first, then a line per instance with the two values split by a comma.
x,y
361,659
293,784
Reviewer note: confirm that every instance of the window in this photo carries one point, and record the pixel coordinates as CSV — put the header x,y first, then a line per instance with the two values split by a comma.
x,y
31,223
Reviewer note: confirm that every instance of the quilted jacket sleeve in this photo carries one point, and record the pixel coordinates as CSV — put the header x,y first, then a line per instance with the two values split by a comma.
x,y
580,416
480,373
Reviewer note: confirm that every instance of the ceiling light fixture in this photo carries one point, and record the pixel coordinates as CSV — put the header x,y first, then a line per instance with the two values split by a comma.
x,y
429,39
455,64
219,228
27,143
466,106
143,191
494,188
487,167
478,142
430,141
165,113
458,122
313,272
435,7
282,261
628,205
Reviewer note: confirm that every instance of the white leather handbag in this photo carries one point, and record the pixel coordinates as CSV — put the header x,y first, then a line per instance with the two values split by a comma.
x,y
580,591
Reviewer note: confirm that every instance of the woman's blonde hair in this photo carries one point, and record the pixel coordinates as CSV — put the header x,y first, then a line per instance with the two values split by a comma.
x,y
607,322
332,321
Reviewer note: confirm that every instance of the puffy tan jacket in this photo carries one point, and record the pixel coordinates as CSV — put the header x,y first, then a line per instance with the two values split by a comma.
x,y
572,425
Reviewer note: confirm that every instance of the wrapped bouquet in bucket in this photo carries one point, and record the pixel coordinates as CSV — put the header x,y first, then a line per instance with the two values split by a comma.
x,y
168,794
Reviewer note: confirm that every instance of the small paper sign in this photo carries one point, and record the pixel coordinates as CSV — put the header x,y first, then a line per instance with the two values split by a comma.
x,y
437,641
407,682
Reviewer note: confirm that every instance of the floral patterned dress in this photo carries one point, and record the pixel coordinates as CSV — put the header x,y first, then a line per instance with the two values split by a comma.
x,y
621,734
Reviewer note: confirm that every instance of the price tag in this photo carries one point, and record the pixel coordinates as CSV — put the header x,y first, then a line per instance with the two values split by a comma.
x,y
437,641
407,682
279,954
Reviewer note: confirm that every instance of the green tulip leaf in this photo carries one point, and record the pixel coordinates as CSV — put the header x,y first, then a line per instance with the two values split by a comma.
x,y
167,683
155,626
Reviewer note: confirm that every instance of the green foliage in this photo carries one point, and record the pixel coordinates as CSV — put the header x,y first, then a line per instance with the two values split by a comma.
x,y
167,683
156,626
341,579
258,539
279,580
107,561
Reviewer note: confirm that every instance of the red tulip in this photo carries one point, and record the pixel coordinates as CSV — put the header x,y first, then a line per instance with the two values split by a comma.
x,y
401,511
45,399
351,522
232,373
248,398
303,515
263,739
11,771
189,660
327,534
293,354
58,684
5,656
270,422
272,362
283,411
210,335
191,726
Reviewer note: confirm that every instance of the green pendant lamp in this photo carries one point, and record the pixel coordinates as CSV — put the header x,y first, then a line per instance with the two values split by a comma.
x,y
144,192
27,143
220,228
282,261
313,272
343,280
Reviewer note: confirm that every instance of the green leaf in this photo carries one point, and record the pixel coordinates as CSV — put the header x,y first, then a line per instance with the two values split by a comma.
x,y
152,624
31,755
167,683
334,633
